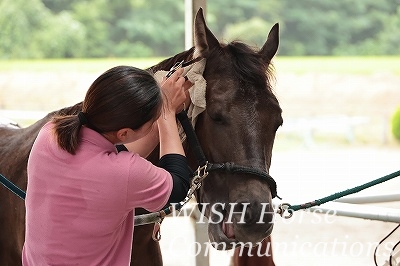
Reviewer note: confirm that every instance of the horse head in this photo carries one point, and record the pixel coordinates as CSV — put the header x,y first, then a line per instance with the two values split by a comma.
x,y
239,125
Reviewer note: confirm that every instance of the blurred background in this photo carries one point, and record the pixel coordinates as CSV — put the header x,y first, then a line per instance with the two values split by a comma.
x,y
138,28
337,79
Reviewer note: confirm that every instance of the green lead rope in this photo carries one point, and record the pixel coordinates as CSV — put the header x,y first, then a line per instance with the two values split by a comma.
x,y
343,193
12,187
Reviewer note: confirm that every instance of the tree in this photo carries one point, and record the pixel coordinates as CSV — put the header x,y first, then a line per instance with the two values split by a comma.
x,y
132,28
19,21
30,30
235,19
345,27
158,25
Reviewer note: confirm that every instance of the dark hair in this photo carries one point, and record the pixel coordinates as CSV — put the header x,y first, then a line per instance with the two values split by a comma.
x,y
122,97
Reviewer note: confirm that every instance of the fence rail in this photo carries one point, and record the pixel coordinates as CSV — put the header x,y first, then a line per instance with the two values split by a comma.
x,y
22,115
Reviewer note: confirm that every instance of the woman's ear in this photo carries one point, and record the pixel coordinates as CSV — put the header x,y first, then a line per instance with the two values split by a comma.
x,y
124,134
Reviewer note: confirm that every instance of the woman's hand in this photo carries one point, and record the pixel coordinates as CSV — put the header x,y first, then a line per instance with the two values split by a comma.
x,y
175,90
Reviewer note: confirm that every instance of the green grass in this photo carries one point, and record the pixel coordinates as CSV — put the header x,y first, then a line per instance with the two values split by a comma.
x,y
297,65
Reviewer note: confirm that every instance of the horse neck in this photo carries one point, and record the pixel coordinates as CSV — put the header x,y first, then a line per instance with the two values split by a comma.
x,y
71,110
32,130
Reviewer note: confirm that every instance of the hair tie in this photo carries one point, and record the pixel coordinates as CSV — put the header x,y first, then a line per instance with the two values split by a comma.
x,y
82,118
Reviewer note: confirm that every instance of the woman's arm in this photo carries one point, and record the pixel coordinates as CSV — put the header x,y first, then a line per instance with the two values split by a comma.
x,y
175,88
172,155
175,95
170,141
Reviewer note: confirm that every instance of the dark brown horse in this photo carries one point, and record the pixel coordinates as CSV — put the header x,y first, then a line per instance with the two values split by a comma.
x,y
15,145
238,125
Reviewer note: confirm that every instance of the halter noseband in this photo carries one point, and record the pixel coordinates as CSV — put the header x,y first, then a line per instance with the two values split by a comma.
x,y
206,167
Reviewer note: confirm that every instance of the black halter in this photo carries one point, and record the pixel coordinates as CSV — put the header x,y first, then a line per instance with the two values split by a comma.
x,y
228,166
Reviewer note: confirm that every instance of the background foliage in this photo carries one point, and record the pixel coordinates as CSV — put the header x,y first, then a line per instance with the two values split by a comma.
x,y
396,124
140,28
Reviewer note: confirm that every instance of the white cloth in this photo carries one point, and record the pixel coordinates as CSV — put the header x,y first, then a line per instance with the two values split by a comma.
x,y
197,92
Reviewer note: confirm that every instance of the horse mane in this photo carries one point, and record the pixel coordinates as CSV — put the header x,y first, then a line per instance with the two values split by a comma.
x,y
247,63
249,66
166,64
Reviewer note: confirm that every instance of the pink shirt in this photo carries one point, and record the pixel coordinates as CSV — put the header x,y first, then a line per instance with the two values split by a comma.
x,y
79,208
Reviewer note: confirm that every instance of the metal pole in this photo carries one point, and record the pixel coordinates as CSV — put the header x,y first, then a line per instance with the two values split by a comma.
x,y
360,211
370,199
191,8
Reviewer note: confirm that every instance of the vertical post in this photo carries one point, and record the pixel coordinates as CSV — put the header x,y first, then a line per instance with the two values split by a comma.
x,y
191,8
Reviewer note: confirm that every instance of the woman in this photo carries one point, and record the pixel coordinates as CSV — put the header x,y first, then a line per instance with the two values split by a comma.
x,y
81,193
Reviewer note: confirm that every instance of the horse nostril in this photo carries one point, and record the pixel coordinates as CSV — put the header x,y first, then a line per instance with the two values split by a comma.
x,y
243,212
240,206
250,212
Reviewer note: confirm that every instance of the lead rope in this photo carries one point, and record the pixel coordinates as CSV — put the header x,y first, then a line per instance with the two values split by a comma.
x,y
12,187
292,208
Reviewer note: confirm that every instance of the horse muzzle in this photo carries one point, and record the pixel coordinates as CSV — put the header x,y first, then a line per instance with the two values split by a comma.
x,y
240,224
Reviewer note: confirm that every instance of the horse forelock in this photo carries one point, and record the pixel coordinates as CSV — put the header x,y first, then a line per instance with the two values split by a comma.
x,y
249,66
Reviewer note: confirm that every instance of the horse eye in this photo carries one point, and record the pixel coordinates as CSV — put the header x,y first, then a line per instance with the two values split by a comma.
x,y
217,118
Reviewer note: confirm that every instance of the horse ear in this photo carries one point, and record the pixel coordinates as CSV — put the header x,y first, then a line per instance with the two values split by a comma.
x,y
270,47
204,39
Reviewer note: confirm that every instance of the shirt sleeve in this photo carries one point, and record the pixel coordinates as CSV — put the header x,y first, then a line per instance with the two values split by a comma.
x,y
149,186
177,166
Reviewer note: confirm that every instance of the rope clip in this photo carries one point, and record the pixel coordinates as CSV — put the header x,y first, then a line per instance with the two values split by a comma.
x,y
284,210
201,173
157,230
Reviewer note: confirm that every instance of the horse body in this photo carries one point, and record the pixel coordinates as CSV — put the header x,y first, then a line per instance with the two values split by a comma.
x,y
16,144
12,210
238,126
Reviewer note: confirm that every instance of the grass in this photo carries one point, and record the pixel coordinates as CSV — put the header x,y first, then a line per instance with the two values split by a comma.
x,y
296,65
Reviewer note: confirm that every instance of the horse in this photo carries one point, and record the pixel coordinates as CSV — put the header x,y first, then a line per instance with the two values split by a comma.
x,y
238,125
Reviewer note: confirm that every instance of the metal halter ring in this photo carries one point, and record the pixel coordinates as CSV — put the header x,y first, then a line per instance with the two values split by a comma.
x,y
284,208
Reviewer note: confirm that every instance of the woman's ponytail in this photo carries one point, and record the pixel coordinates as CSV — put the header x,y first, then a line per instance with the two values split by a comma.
x,y
67,129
